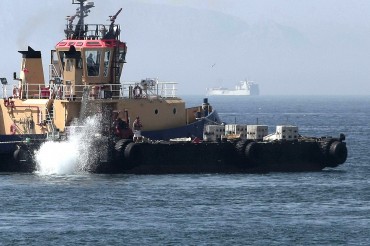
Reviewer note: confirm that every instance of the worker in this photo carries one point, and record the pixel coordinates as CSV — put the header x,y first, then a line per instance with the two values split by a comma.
x,y
137,129
91,66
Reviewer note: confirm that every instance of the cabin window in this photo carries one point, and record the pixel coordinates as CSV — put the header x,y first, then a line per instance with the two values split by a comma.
x,y
54,57
68,65
106,63
122,56
61,55
93,62
79,63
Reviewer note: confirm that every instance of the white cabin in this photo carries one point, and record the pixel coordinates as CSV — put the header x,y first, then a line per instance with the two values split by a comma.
x,y
284,132
213,132
257,132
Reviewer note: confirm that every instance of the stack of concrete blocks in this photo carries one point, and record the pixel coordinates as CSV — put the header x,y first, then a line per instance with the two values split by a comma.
x,y
214,132
284,132
235,129
287,132
257,132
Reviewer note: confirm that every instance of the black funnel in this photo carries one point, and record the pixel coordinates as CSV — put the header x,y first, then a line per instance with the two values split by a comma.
x,y
30,53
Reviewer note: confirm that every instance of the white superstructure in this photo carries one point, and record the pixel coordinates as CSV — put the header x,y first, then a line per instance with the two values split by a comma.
x,y
244,88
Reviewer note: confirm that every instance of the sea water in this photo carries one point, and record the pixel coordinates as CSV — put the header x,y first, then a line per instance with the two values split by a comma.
x,y
321,208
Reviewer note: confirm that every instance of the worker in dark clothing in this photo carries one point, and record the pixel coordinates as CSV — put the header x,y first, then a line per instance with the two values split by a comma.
x,y
91,66
137,129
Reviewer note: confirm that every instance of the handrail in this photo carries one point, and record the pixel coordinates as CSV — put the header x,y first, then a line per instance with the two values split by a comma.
x,y
53,72
157,90
99,91
92,31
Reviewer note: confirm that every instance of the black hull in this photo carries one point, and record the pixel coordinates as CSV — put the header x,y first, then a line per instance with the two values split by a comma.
x,y
227,157
243,156
20,160
16,152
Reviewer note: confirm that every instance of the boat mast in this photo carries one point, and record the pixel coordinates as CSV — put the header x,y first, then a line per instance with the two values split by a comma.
x,y
82,12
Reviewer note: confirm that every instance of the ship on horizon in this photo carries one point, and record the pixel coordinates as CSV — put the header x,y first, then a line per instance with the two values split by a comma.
x,y
244,88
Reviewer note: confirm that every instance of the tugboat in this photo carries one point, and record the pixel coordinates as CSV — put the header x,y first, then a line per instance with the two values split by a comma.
x,y
85,69
84,82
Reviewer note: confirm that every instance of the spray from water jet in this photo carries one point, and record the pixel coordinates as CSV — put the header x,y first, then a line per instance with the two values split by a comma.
x,y
75,155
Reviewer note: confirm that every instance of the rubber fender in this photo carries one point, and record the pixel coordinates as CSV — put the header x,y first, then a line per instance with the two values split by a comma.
x,y
119,150
325,147
338,152
241,145
121,144
21,155
132,154
251,151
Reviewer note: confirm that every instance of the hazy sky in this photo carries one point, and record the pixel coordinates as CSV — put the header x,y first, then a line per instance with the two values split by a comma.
x,y
287,46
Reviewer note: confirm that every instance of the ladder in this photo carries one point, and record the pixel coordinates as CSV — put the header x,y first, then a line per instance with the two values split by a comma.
x,y
53,132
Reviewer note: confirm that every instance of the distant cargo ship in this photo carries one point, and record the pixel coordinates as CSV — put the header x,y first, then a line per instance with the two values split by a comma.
x,y
244,88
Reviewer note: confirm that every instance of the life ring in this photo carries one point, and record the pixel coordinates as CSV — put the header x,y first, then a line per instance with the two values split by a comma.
x,y
137,91
13,129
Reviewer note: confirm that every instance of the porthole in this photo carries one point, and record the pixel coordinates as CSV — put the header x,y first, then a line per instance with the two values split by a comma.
x,y
156,111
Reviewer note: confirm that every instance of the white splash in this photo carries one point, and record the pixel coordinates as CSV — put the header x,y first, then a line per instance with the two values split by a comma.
x,y
72,156
57,157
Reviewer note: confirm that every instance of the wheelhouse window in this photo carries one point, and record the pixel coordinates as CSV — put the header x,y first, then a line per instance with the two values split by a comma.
x,y
93,62
106,63
79,63
69,65
61,56
122,56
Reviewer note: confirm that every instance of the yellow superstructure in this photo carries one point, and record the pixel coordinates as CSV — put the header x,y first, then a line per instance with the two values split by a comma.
x,y
86,67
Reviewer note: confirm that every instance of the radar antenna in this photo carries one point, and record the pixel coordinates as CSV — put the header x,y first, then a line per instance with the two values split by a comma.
x,y
82,12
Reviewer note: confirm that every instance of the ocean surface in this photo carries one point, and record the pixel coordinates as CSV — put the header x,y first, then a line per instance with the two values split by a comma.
x,y
331,207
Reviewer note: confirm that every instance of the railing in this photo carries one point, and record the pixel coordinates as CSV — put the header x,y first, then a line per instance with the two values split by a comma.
x,y
149,90
133,90
91,31
53,73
